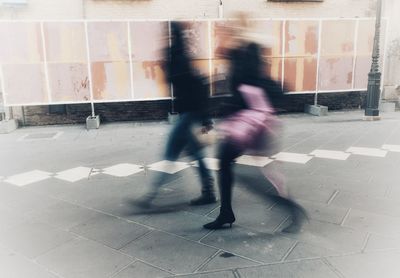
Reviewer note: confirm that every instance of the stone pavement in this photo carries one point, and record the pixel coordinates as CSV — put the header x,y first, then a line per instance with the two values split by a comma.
x,y
65,204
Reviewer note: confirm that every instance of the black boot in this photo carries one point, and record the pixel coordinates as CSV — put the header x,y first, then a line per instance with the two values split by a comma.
x,y
204,199
221,220
207,193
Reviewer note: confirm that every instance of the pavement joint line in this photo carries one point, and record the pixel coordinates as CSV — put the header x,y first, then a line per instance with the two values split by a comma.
x,y
334,269
236,273
214,209
206,235
365,243
333,197
122,269
206,261
138,238
279,226
345,218
289,251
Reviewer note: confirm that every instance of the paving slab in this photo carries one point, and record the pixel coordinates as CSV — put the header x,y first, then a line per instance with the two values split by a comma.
x,y
110,231
140,269
330,236
305,269
84,258
261,247
372,265
375,223
226,260
63,215
13,265
170,252
32,239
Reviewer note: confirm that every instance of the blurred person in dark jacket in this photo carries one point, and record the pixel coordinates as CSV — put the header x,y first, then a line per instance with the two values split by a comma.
x,y
191,102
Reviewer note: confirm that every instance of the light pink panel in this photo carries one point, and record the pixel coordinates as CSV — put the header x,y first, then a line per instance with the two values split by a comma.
x,y
69,82
148,40
301,38
21,43
149,80
365,42
108,41
65,42
24,84
335,73
111,81
337,37
268,33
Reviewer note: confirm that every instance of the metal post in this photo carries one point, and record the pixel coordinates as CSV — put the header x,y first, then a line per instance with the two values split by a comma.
x,y
374,76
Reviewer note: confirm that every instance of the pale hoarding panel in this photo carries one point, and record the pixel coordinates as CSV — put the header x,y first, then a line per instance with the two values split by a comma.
x,y
65,42
365,43
24,84
337,37
111,81
149,80
300,74
335,73
21,43
301,38
268,33
149,44
108,41
69,82
149,40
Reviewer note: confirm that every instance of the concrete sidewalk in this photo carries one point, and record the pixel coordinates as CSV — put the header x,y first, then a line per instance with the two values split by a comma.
x,y
65,204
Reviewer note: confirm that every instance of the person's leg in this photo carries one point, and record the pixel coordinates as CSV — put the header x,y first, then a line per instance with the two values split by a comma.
x,y
195,149
176,141
227,154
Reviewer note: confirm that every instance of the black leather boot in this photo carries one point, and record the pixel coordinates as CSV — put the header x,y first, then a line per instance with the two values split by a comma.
x,y
204,199
221,220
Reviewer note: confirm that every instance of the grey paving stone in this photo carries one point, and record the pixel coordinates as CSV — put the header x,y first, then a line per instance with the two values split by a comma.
x,y
13,265
379,242
371,222
84,258
63,215
367,203
139,269
171,253
324,213
225,260
330,236
310,192
110,230
257,246
309,251
304,269
22,200
217,274
181,223
372,265
32,239
9,217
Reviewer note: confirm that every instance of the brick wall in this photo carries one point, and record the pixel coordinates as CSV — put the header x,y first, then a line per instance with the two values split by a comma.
x,y
158,110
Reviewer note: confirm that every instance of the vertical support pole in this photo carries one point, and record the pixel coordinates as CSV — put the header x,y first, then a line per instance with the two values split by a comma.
x,y
318,62
374,76
89,70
